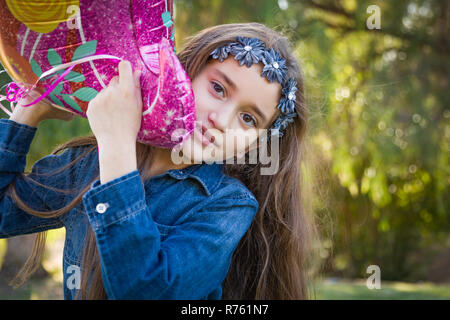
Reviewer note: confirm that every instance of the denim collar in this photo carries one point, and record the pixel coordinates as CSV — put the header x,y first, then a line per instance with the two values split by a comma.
x,y
209,175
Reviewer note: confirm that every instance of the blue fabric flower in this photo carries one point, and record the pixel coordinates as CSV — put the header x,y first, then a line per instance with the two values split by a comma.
x,y
274,66
221,53
288,99
282,122
248,50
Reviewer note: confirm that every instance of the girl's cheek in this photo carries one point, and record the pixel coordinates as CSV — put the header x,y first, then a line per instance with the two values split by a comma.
x,y
205,105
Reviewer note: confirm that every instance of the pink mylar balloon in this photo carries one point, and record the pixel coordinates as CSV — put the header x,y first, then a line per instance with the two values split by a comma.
x,y
69,50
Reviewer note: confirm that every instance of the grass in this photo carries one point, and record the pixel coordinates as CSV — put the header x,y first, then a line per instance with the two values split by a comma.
x,y
34,289
329,289
341,289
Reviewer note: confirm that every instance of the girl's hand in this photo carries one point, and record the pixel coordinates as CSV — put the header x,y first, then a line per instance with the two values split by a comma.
x,y
115,114
34,114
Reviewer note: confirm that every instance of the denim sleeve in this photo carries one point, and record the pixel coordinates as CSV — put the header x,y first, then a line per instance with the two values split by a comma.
x,y
15,141
189,263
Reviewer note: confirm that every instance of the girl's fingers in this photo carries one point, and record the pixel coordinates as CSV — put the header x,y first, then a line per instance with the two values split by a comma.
x,y
125,74
137,77
114,81
137,82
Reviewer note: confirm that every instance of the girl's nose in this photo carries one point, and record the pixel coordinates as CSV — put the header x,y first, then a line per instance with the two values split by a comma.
x,y
215,121
220,121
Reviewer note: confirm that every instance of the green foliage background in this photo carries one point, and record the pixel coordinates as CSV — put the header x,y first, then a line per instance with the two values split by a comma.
x,y
379,123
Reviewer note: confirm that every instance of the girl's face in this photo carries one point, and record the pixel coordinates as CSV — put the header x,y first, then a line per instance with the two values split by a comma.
x,y
234,104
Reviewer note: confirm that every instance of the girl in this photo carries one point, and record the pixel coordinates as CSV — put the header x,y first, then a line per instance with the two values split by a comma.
x,y
140,225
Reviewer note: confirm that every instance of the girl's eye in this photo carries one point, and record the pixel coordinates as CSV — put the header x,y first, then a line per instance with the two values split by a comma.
x,y
249,117
215,86
219,89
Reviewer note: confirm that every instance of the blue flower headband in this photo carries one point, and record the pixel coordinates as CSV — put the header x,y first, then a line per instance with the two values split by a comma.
x,y
252,50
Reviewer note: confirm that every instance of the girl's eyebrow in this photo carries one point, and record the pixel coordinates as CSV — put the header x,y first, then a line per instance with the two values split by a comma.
x,y
234,87
227,80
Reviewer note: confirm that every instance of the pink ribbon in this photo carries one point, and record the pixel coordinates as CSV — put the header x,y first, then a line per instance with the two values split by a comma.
x,y
14,92
19,92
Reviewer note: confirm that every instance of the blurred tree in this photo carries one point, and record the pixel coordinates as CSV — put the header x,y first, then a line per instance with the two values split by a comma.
x,y
388,106
18,250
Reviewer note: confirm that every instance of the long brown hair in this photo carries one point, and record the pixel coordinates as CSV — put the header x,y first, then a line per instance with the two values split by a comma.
x,y
274,259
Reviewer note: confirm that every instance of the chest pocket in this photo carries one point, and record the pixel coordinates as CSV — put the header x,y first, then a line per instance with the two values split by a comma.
x,y
164,230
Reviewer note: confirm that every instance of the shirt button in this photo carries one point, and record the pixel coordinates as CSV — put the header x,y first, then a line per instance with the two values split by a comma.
x,y
101,207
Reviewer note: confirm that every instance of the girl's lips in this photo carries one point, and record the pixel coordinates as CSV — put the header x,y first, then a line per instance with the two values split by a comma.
x,y
208,135
201,137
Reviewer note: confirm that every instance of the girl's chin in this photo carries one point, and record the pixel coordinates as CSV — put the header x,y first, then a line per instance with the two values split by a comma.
x,y
200,153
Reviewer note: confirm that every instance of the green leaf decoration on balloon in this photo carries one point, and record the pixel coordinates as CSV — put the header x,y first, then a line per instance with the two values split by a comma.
x,y
73,76
56,100
35,67
71,102
85,93
167,19
53,74
53,57
57,89
172,37
84,50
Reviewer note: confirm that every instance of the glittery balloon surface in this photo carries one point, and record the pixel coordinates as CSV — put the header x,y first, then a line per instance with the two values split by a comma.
x,y
37,36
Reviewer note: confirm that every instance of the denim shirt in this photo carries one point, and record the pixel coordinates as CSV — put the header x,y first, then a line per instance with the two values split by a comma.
x,y
169,237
